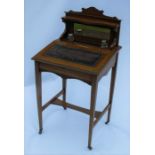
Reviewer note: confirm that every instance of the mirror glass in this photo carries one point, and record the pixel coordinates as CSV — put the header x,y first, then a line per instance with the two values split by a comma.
x,y
92,31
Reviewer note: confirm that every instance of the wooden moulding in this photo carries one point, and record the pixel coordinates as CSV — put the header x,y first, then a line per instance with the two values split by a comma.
x,y
90,13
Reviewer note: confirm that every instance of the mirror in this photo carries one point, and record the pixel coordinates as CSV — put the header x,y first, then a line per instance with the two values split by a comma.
x,y
92,31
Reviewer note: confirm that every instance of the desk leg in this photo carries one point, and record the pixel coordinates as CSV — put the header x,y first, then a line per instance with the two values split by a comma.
x,y
112,85
39,95
64,81
92,112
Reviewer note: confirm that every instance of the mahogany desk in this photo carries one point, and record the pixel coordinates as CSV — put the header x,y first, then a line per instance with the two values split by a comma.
x,y
87,50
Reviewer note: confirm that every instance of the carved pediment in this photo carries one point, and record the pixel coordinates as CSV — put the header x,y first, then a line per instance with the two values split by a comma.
x,y
92,11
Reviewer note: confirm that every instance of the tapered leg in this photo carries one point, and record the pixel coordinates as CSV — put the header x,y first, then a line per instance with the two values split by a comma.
x,y
64,82
39,95
92,112
112,85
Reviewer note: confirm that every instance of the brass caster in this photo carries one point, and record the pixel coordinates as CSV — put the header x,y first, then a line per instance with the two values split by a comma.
x,y
90,148
65,108
40,131
107,122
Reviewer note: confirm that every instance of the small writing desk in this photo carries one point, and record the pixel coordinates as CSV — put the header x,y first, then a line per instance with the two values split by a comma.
x,y
87,50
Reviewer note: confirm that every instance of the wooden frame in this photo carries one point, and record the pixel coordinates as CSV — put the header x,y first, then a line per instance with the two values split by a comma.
x,y
89,74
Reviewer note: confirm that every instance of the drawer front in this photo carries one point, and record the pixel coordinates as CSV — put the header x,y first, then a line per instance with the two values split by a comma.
x,y
67,73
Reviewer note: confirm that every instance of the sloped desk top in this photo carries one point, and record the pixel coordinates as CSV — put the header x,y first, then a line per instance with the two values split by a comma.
x,y
71,55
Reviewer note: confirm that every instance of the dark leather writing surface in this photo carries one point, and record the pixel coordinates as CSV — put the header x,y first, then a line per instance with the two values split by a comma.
x,y
74,54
